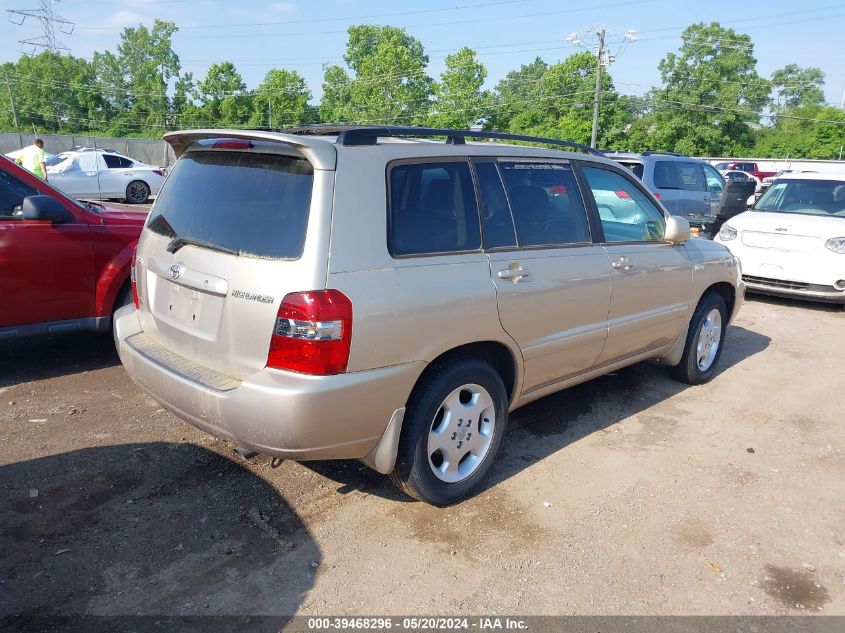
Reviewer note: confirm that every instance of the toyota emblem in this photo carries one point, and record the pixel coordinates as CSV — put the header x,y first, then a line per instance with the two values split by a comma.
x,y
175,271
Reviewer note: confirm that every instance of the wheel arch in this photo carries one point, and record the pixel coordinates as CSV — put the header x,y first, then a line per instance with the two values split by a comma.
x,y
727,292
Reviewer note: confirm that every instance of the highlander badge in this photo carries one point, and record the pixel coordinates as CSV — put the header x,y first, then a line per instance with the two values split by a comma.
x,y
175,271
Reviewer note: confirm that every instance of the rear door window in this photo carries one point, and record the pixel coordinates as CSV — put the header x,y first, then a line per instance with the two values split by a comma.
x,y
255,204
432,209
547,205
666,175
691,176
496,218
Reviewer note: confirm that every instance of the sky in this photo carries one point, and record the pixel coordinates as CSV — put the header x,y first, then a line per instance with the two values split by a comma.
x,y
257,35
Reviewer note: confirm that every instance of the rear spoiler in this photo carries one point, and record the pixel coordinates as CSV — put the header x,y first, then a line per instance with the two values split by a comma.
x,y
321,153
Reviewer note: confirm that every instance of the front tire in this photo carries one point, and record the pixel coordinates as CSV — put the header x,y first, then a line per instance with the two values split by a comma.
x,y
137,192
453,428
705,339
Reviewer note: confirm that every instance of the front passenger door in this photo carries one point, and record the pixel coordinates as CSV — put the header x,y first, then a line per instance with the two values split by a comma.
x,y
651,280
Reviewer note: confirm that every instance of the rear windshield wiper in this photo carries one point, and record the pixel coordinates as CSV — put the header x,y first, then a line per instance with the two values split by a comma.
x,y
178,242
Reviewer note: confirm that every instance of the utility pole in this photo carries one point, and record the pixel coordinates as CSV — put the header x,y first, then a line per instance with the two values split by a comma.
x,y
597,98
12,101
604,57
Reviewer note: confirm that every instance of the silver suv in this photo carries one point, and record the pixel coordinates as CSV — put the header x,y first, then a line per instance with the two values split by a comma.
x,y
373,294
688,187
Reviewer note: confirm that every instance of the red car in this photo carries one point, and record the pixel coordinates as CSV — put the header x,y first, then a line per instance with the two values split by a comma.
x,y
64,264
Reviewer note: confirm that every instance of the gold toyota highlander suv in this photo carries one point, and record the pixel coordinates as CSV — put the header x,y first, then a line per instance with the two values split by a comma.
x,y
375,294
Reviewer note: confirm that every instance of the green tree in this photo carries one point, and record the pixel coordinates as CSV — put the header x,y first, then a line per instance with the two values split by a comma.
x,y
389,85
52,92
711,93
459,101
809,131
223,100
516,91
281,101
136,79
556,101
796,86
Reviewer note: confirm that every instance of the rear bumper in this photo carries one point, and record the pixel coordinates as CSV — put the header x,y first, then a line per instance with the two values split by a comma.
x,y
289,415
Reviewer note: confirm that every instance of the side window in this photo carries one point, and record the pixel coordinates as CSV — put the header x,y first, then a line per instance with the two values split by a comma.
x,y
496,219
124,163
715,182
666,175
627,214
112,162
691,176
432,209
547,206
12,193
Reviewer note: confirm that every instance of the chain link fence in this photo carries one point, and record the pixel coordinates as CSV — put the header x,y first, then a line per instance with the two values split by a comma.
x,y
147,150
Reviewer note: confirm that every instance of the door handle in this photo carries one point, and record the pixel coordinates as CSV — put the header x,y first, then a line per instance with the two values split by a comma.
x,y
622,264
513,274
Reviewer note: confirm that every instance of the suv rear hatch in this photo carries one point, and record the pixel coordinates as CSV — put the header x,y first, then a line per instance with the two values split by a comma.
x,y
239,224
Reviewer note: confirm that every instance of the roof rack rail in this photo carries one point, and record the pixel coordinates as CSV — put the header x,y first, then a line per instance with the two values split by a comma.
x,y
369,135
649,152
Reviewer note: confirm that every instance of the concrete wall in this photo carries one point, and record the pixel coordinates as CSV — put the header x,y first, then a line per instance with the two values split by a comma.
x,y
150,151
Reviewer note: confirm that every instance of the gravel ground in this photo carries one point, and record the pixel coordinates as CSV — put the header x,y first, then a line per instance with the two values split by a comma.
x,y
631,494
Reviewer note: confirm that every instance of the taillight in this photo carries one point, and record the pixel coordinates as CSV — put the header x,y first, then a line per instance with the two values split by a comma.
x,y
158,172
312,333
623,195
133,278
655,194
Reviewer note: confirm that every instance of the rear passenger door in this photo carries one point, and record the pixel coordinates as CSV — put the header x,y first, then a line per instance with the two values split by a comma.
x,y
696,197
651,279
552,280
667,186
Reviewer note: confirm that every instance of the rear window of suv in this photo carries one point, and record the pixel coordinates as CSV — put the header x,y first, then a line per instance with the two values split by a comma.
x,y
254,204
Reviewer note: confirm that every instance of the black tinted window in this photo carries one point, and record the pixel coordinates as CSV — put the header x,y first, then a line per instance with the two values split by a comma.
x,y
666,175
12,193
546,203
637,168
691,176
256,204
112,162
495,212
432,209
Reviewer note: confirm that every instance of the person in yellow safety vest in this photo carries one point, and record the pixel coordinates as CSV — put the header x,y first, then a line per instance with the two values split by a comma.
x,y
32,158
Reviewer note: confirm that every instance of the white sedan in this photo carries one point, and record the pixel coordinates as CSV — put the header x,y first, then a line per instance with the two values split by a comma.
x,y
102,174
792,243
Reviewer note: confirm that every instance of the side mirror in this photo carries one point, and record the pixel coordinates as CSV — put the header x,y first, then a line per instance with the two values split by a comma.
x,y
45,209
677,230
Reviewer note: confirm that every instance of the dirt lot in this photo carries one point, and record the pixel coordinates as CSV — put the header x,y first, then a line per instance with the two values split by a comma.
x,y
629,495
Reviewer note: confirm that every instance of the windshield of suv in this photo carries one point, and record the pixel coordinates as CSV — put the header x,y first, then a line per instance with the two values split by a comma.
x,y
805,197
250,203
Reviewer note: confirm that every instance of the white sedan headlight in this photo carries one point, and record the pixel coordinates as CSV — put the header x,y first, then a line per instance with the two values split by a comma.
x,y
836,244
727,233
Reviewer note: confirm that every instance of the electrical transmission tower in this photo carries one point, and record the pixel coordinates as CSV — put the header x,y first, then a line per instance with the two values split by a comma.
x,y
49,20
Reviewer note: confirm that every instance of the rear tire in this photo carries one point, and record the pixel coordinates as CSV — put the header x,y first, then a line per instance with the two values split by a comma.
x,y
137,192
705,340
453,428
